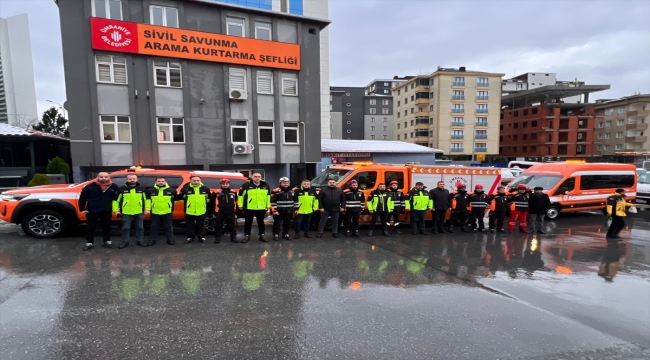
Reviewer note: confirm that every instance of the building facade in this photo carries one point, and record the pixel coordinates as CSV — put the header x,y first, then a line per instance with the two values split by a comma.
x,y
622,129
357,116
454,110
194,85
384,86
530,81
17,86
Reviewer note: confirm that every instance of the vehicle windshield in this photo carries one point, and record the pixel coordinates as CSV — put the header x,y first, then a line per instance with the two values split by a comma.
x,y
336,174
644,178
532,181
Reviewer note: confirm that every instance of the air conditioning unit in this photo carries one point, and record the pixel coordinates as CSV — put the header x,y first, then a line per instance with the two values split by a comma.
x,y
238,95
242,148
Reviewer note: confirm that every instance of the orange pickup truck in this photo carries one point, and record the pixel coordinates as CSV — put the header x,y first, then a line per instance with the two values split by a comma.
x,y
52,210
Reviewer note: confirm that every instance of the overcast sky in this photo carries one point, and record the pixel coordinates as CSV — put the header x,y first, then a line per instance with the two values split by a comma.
x,y
599,42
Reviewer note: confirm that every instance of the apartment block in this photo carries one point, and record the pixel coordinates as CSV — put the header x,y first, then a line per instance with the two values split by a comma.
x,y
358,116
384,86
454,110
622,129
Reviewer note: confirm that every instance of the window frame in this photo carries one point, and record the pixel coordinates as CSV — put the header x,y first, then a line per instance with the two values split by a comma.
x,y
270,29
265,127
115,129
291,128
262,74
233,72
171,130
107,9
168,70
243,25
164,9
112,69
239,126
373,102
290,77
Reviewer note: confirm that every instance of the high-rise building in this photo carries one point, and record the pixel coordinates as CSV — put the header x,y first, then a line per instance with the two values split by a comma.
x,y
359,116
318,9
17,87
454,110
383,86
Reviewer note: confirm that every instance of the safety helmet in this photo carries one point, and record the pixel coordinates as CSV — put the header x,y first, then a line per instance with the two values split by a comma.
x,y
479,186
394,182
521,187
284,179
353,182
224,181
501,187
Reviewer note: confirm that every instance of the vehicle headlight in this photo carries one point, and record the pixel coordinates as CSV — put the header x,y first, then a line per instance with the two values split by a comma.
x,y
12,197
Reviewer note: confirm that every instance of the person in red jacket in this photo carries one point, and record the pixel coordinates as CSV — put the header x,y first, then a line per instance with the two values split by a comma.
x,y
519,208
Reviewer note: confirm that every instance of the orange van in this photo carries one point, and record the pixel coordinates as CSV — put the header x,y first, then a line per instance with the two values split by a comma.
x,y
579,187
50,211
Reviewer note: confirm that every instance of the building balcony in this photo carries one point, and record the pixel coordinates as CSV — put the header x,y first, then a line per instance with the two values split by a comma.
x,y
422,114
487,97
422,101
483,84
481,123
424,139
458,110
456,150
484,111
480,136
636,126
458,97
422,126
456,137
458,83
457,123
480,149
639,113
636,139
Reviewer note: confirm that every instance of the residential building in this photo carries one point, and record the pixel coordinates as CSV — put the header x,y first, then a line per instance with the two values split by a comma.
x,y
454,110
225,90
356,116
17,86
537,125
622,129
318,9
383,86
529,81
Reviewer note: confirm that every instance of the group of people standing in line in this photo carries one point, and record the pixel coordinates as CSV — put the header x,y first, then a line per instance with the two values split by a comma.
x,y
100,199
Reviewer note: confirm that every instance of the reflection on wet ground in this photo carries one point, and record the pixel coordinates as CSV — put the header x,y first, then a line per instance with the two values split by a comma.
x,y
467,296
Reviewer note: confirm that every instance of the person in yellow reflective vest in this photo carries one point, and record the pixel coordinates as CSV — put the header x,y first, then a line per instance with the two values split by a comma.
x,y
131,204
380,204
616,208
196,197
161,199
255,200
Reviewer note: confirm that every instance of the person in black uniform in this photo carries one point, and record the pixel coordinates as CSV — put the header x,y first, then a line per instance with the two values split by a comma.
x,y
226,209
498,207
477,202
459,203
355,202
282,204
399,203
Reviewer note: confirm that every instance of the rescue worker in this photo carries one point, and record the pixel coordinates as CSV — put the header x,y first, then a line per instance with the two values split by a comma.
x,y
478,205
617,208
355,202
225,207
498,207
399,203
255,200
417,204
306,204
131,204
161,199
538,204
331,202
196,197
282,205
459,205
380,205
518,208
96,202
441,203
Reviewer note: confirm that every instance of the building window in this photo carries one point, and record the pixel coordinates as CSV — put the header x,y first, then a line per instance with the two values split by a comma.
x,y
608,136
372,119
290,132
115,128
458,95
262,30
171,130
411,135
412,110
385,102
619,134
265,130
621,110
385,119
458,107
164,16
289,85
373,102
481,108
107,9
372,128
398,115
412,122
457,146
430,107
384,111
600,136
620,122
606,147
619,146
373,110
608,123
398,125
412,85
397,137
406,101
480,147
601,124
264,82
406,112
412,97
609,111
482,81
384,137
385,128
167,73
599,147
399,103
111,69
372,137
239,131
235,26
483,95
237,79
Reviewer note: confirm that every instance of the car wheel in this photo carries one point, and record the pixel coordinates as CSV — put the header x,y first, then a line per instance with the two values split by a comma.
x,y
210,223
553,213
44,224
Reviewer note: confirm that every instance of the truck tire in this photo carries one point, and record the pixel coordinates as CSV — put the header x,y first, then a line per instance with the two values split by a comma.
x,y
44,224
553,212
211,223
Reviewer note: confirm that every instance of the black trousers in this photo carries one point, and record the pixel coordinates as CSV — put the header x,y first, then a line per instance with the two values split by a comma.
x,y
476,216
439,220
394,215
230,227
618,223
352,220
104,219
383,217
459,216
195,226
282,221
248,223
498,217
156,221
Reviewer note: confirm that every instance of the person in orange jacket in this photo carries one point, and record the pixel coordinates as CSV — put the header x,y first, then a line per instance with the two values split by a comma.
x,y
459,205
519,208
498,207
225,207
477,204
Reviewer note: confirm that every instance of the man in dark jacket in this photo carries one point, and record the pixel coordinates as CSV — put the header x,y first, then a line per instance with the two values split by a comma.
x,y
282,205
96,202
459,204
538,204
355,202
331,202
441,203
131,204
225,207
399,204
498,207
478,204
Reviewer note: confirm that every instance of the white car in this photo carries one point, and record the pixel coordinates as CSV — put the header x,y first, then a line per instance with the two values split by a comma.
x,y
643,189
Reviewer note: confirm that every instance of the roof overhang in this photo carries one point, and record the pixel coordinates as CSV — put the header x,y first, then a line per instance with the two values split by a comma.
x,y
548,93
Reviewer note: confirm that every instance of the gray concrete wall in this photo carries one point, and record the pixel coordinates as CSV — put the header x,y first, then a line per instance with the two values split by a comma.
x,y
336,120
352,114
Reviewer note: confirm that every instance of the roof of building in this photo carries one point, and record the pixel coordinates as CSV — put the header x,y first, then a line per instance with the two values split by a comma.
x,y
374,146
10,130
546,94
603,103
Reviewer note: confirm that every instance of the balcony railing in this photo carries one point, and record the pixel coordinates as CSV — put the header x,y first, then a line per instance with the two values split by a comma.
x,y
480,136
457,136
480,149
483,84
485,97
457,149
458,97
457,123
481,110
458,110
458,83
481,123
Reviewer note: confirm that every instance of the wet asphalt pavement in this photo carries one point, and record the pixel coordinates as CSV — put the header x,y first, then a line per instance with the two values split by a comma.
x,y
565,295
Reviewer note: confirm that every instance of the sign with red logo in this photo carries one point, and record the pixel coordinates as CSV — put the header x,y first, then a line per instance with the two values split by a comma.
x,y
135,38
339,160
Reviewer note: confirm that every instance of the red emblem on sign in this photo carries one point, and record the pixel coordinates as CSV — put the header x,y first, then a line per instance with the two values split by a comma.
x,y
113,35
